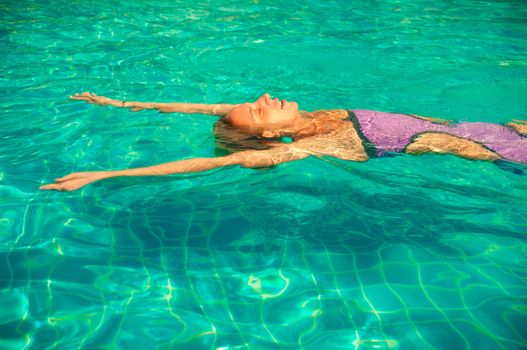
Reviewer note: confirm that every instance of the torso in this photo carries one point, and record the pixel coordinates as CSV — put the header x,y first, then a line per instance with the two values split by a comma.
x,y
332,135
363,134
390,132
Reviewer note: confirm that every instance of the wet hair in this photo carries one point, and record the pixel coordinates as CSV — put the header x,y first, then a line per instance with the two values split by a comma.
x,y
231,140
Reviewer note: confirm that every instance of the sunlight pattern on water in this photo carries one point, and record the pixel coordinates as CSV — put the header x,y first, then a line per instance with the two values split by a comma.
x,y
403,252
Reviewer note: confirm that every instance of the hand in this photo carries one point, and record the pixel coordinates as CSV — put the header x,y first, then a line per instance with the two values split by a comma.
x,y
75,181
92,98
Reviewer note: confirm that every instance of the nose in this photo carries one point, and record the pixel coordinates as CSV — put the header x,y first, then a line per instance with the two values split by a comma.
x,y
265,98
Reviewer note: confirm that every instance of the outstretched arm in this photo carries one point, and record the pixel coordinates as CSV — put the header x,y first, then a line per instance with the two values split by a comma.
x,y
219,109
250,159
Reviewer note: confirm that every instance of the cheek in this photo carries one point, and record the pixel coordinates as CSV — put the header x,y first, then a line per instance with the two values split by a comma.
x,y
239,121
268,116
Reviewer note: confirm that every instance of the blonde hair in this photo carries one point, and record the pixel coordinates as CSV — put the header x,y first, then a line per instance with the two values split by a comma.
x,y
230,139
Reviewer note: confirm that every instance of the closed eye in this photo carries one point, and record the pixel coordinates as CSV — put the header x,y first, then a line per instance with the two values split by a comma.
x,y
255,113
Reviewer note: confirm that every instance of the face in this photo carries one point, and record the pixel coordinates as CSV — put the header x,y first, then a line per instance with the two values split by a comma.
x,y
264,112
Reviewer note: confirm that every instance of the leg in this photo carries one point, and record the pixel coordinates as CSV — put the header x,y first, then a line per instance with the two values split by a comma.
x,y
449,144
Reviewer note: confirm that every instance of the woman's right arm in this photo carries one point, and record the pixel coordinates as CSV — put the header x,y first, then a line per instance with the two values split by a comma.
x,y
192,108
248,159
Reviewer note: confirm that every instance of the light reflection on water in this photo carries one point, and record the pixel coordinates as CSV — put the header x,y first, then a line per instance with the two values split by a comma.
x,y
403,252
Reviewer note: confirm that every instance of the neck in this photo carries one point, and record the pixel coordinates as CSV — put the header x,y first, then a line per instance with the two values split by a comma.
x,y
304,127
299,127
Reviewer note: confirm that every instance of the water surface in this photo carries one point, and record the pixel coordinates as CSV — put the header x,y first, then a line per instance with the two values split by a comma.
x,y
405,252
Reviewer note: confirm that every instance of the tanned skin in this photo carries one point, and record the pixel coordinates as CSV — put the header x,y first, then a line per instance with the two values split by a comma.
x,y
519,125
321,133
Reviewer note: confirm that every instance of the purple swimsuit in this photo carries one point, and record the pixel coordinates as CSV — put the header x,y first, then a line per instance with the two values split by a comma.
x,y
389,132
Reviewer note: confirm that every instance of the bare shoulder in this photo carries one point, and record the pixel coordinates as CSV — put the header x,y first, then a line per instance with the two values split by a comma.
x,y
343,143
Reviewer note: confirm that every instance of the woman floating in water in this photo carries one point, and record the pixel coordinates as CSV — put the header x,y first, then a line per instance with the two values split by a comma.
x,y
355,135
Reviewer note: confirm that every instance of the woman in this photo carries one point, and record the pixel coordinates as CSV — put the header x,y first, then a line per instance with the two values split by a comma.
x,y
355,135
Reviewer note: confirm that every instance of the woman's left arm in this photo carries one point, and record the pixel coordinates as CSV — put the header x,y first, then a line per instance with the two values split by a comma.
x,y
249,159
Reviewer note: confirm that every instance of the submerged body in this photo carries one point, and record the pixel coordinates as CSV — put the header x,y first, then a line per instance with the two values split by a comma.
x,y
390,132
355,135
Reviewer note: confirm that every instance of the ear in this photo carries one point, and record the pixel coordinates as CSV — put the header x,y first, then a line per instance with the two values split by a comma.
x,y
268,134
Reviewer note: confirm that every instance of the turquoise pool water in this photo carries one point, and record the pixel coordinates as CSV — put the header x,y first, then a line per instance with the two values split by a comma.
x,y
406,252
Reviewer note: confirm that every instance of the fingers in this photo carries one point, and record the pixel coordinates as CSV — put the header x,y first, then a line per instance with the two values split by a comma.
x,y
66,186
85,96
74,181
77,97
56,187
59,182
68,177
